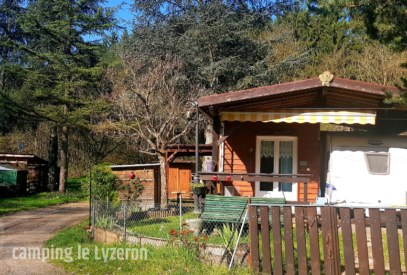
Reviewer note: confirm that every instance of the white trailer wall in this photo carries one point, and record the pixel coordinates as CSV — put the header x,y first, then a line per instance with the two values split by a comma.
x,y
349,175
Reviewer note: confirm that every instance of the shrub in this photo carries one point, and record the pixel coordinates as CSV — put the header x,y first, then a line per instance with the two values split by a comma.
x,y
104,184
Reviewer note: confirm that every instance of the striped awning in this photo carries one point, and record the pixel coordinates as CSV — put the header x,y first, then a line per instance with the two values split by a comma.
x,y
303,116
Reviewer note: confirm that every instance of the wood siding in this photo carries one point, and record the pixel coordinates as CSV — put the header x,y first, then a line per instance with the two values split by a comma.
x,y
239,159
149,179
179,178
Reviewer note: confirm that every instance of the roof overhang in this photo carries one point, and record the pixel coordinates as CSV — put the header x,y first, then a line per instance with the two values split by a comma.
x,y
134,165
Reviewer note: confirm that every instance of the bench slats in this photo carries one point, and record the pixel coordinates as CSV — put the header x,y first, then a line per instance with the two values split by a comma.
x,y
229,209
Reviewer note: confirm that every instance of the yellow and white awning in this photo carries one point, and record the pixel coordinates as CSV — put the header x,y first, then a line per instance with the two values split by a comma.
x,y
303,116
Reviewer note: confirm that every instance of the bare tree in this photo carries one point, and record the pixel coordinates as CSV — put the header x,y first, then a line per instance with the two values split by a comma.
x,y
152,98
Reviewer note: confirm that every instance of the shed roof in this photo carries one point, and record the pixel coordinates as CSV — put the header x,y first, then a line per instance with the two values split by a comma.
x,y
29,158
134,165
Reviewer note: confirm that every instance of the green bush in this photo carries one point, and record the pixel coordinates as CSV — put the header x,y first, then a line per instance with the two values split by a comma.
x,y
104,184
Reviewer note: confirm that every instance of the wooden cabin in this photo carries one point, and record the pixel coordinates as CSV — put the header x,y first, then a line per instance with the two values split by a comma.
x,y
269,139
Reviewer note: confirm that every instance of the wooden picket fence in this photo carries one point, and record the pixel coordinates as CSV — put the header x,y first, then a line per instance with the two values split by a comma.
x,y
336,228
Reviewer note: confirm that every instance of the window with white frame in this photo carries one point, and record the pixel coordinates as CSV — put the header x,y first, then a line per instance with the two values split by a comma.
x,y
378,163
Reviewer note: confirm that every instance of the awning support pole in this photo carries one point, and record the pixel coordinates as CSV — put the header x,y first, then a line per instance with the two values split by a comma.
x,y
196,176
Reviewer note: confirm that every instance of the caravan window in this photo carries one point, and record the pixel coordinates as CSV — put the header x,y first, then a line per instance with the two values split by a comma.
x,y
378,163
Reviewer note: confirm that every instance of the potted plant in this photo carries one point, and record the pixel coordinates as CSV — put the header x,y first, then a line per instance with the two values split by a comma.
x,y
199,189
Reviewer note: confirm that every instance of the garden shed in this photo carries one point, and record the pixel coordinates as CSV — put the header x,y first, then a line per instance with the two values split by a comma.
x,y
179,173
35,169
12,181
146,174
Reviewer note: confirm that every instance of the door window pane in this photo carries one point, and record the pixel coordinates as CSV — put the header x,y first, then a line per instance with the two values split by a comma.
x,y
285,165
267,163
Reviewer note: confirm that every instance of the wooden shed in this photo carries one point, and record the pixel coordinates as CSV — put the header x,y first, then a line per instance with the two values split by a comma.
x,y
148,174
36,168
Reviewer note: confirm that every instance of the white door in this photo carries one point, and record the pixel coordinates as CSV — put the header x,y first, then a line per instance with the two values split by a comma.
x,y
276,155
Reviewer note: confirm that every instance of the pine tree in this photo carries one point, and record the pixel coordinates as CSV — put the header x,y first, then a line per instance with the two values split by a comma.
x,y
213,38
60,72
323,30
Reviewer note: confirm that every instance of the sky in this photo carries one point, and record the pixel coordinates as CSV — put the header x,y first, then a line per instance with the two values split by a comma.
x,y
124,15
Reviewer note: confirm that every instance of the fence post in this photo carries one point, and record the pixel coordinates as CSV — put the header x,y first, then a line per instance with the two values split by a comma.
x,y
254,239
335,242
125,214
93,219
330,241
180,212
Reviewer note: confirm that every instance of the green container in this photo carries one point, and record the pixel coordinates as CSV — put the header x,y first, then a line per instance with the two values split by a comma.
x,y
11,176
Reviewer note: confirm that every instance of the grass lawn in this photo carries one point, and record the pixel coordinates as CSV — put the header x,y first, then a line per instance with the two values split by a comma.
x,y
160,260
159,227
43,199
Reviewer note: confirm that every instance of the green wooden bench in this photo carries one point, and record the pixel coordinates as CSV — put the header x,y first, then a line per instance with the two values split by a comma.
x,y
228,209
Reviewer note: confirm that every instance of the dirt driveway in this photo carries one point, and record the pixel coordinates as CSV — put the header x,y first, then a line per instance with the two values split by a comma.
x,y
32,229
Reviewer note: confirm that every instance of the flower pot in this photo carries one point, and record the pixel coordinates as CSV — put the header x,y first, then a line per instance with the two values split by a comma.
x,y
194,225
199,191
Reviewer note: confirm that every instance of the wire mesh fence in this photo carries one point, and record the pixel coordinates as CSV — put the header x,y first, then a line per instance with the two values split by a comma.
x,y
145,223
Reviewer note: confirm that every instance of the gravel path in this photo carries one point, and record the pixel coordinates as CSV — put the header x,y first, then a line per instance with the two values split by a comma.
x,y
32,229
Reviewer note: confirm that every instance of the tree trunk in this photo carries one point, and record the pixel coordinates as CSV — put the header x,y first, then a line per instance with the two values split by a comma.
x,y
164,187
53,159
63,176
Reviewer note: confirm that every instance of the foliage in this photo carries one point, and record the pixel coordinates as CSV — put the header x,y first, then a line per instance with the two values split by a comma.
x,y
160,260
58,69
151,100
105,222
104,184
385,21
197,185
375,63
226,234
213,39
186,239
133,189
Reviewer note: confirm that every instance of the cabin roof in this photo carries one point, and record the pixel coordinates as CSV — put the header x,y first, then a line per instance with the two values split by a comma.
x,y
307,93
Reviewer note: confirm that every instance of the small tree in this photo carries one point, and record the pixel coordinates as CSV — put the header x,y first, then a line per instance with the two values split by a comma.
x,y
104,184
152,98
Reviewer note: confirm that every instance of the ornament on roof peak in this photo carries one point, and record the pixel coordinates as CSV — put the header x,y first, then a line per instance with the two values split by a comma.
x,y
326,78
